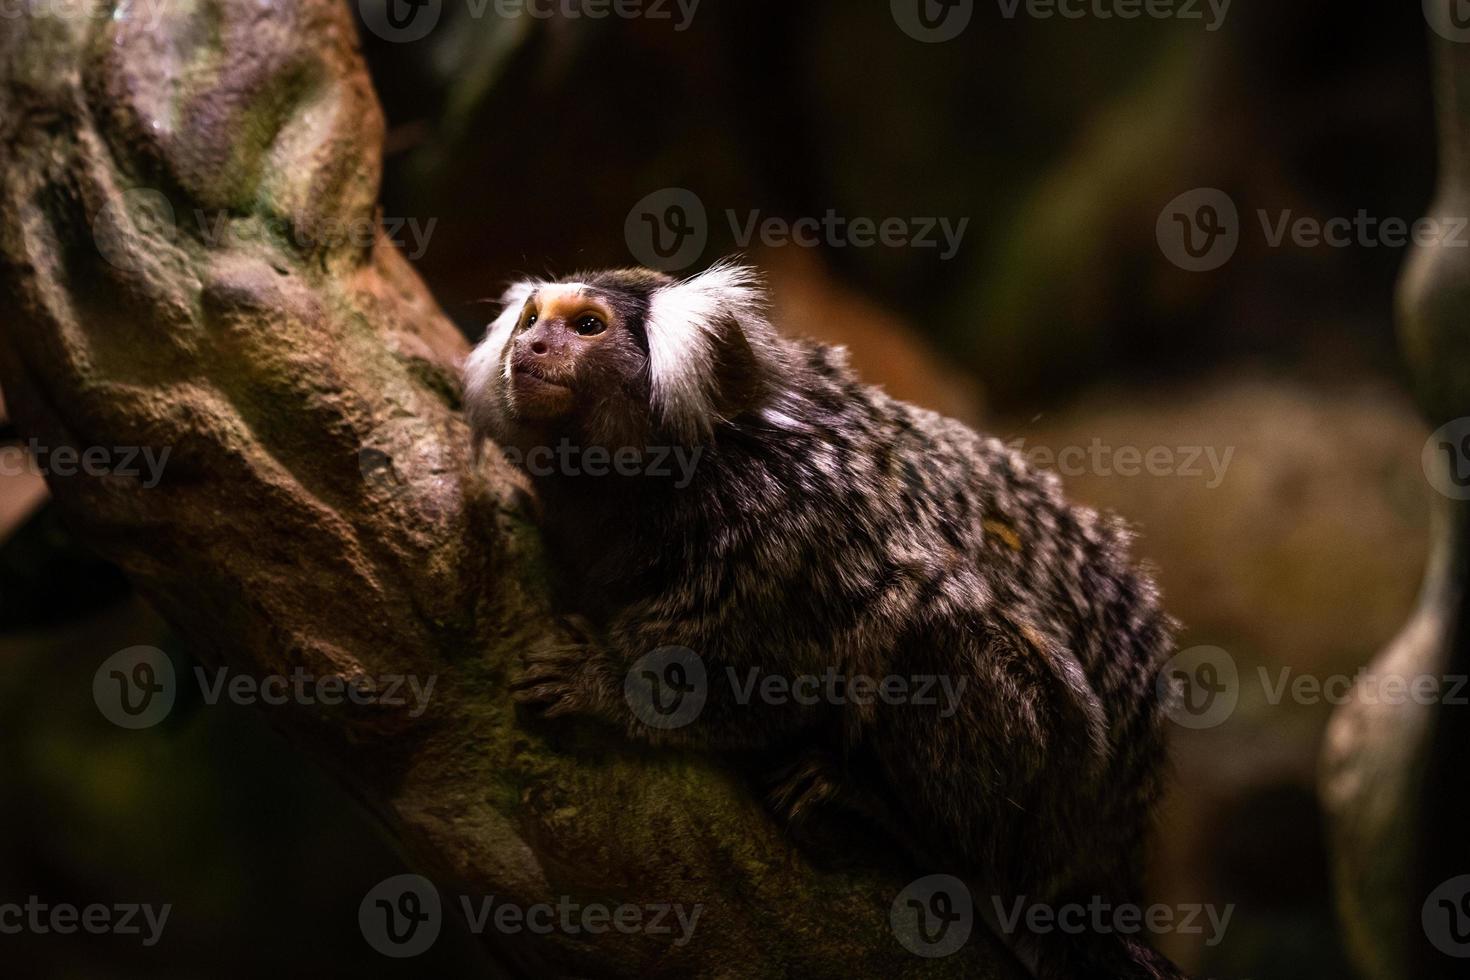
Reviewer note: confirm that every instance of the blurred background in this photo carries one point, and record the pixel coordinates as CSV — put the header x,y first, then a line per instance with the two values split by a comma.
x,y
1285,507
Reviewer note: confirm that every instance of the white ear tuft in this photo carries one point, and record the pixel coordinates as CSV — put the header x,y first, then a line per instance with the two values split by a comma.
x,y
687,323
486,364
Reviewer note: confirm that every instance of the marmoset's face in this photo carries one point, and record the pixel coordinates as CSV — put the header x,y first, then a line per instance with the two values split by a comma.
x,y
574,347
617,358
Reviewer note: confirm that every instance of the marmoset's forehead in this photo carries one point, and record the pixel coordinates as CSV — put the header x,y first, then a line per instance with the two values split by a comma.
x,y
567,300
620,293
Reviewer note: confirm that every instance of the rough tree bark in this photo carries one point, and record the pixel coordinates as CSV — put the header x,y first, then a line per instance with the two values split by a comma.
x,y
1393,769
179,183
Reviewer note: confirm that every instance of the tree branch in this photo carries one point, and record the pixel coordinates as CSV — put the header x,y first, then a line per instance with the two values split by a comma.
x,y
1393,768
182,185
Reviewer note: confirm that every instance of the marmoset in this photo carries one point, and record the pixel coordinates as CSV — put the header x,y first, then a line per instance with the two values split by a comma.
x,y
827,528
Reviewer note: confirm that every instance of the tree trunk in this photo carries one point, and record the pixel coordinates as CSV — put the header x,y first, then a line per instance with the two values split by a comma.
x,y
183,254
1393,779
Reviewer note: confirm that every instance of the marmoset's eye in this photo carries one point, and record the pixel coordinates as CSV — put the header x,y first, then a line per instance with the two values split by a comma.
x,y
589,326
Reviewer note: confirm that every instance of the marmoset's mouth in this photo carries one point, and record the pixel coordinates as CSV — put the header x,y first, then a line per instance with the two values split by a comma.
x,y
526,377
536,396
531,374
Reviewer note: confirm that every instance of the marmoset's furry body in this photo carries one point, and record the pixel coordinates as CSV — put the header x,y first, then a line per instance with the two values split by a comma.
x,y
827,525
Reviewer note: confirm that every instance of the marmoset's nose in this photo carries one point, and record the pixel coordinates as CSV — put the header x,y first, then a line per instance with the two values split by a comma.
x,y
542,340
